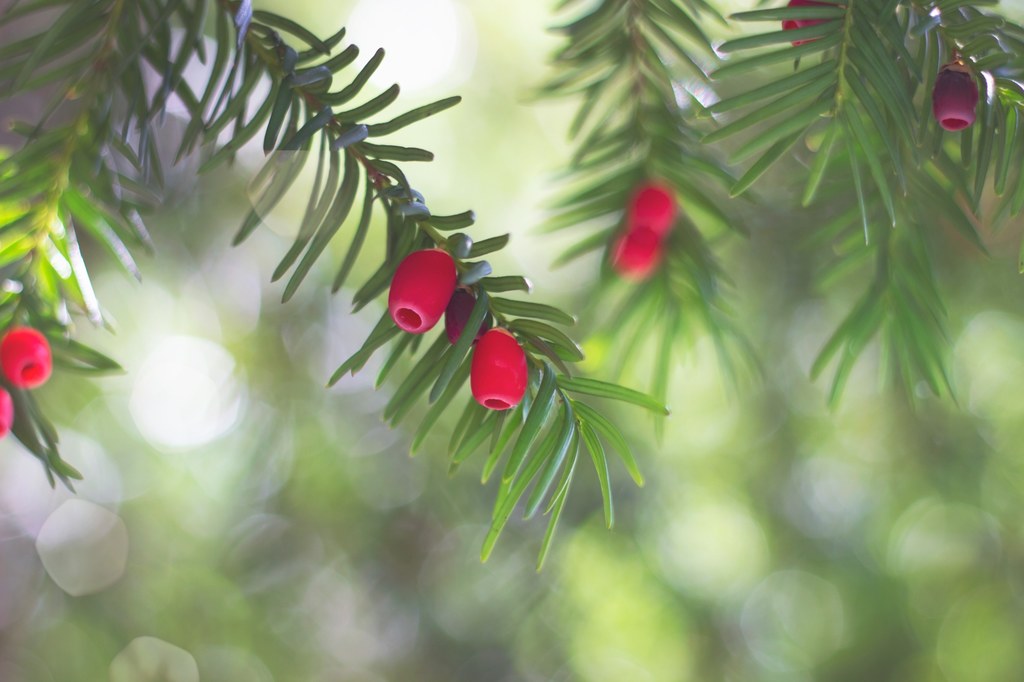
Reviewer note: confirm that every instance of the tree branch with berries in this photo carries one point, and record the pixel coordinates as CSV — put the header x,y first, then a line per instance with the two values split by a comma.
x,y
897,115
527,408
641,187
874,102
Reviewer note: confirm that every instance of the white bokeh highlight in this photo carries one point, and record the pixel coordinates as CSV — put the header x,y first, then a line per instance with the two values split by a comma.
x,y
426,42
148,659
712,548
792,621
935,538
186,393
828,496
83,547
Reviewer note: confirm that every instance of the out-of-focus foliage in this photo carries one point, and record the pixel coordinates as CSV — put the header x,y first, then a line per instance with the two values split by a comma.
x,y
239,522
636,71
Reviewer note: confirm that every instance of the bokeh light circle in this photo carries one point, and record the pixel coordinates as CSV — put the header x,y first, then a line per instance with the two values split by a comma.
x,y
186,393
149,659
793,620
83,547
426,41
712,548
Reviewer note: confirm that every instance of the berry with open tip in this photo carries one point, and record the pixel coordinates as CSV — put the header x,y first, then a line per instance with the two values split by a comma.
x,y
498,373
25,357
955,97
420,290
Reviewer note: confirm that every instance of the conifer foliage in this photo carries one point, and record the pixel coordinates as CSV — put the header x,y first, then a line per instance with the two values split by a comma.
x,y
902,115
861,90
628,61
860,97
90,168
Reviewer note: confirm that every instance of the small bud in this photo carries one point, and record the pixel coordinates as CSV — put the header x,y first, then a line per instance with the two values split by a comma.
x,y
955,97
460,244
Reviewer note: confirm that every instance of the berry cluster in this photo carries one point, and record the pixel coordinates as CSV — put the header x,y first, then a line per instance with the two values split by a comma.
x,y
424,288
955,95
649,217
26,363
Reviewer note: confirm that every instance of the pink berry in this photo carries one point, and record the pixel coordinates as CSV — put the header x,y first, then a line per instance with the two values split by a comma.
x,y
6,412
790,24
498,373
955,97
637,253
422,286
25,357
652,206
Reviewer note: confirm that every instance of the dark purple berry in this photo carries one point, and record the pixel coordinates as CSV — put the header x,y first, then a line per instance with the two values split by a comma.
x,y
457,314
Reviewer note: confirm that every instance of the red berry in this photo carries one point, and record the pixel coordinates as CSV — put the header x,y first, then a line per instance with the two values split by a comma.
x,y
790,24
636,253
498,373
652,206
25,357
955,97
420,291
6,412
457,314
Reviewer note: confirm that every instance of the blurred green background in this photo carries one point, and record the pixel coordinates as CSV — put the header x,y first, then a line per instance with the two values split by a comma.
x,y
239,519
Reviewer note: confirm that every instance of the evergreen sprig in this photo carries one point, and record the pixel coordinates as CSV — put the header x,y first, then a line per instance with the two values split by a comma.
x,y
992,151
635,65
902,303
441,370
875,57
87,175
93,172
860,96
852,97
